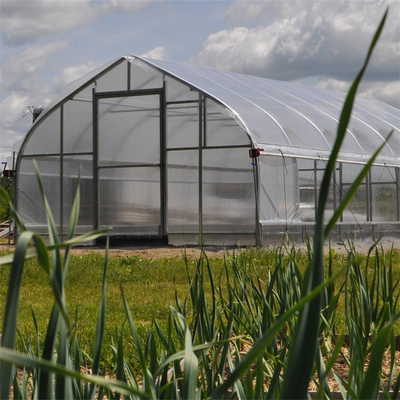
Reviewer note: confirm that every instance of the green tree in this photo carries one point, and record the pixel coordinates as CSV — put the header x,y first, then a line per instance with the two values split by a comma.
x,y
7,184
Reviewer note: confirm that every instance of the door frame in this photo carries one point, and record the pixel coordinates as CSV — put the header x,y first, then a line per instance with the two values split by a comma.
x,y
96,96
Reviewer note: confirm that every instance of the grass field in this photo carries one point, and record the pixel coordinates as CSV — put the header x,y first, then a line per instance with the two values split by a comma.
x,y
149,285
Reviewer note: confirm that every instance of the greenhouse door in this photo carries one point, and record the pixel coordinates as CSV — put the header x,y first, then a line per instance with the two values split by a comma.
x,y
129,162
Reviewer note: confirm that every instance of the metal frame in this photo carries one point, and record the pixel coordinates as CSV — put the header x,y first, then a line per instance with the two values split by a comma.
x,y
315,188
201,105
201,125
368,196
62,173
96,96
398,192
163,162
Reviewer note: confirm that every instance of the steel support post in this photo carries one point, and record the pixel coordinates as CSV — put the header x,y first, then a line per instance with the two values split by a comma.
x,y
340,196
315,189
17,168
368,196
259,239
62,173
200,169
95,162
334,186
163,163
11,224
398,192
128,77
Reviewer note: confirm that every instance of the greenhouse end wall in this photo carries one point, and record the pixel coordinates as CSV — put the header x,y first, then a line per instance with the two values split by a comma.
x,y
159,157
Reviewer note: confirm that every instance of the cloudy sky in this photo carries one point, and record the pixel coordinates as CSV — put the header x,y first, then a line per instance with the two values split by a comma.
x,y
45,44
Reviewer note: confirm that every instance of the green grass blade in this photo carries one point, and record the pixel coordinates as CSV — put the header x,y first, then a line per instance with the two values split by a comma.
x,y
191,363
370,386
11,310
303,351
63,384
46,379
6,198
98,343
12,357
149,384
270,335
353,188
73,221
31,253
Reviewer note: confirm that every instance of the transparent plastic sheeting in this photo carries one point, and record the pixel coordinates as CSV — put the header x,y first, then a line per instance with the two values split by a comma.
x,y
294,126
228,191
183,191
279,190
129,130
30,203
130,200
300,120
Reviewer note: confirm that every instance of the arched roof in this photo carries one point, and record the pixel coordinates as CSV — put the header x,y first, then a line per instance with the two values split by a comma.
x,y
282,118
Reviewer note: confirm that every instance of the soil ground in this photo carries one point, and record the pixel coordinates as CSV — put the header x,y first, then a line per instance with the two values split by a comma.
x,y
148,250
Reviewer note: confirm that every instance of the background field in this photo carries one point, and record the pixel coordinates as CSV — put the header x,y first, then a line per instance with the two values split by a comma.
x,y
149,277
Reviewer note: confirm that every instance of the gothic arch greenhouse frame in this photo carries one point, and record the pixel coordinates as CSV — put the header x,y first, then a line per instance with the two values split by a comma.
x,y
191,154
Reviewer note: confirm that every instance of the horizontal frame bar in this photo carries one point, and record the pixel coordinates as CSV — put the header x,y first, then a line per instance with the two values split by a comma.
x,y
56,154
239,146
128,93
128,166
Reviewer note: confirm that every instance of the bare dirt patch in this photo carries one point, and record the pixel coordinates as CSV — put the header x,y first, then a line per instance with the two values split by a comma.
x,y
158,252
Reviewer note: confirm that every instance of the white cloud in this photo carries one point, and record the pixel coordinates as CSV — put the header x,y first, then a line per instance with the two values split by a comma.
x,y
31,78
26,21
158,53
19,72
13,126
314,41
388,92
295,40
70,73
333,84
11,109
127,6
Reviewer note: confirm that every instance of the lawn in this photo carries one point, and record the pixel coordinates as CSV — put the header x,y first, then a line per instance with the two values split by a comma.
x,y
149,285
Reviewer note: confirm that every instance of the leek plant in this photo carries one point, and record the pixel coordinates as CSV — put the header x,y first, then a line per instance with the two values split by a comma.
x,y
248,338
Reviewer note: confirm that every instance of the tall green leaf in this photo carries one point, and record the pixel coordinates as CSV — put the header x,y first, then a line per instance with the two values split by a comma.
x,y
304,348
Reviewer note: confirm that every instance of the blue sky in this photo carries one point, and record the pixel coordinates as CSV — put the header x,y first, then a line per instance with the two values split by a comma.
x,y
44,44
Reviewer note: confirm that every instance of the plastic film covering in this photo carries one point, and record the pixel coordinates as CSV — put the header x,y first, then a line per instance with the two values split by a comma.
x,y
75,86
183,191
182,125
279,190
228,191
221,128
356,211
116,79
46,139
383,194
30,203
78,130
72,167
130,200
129,130
300,120
307,193
177,91
142,76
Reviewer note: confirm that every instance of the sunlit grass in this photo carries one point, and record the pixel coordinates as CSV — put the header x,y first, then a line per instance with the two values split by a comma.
x,y
149,286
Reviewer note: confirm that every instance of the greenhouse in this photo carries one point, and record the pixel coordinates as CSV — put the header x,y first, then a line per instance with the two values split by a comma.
x,y
195,155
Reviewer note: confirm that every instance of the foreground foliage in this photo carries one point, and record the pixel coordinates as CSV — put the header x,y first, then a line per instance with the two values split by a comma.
x,y
253,339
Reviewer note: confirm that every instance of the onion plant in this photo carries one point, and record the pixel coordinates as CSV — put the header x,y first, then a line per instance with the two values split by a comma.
x,y
247,337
